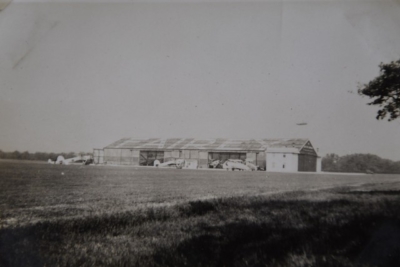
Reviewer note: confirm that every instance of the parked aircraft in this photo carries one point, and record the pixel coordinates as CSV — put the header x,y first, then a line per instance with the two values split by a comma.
x,y
84,160
215,163
178,163
230,164
235,164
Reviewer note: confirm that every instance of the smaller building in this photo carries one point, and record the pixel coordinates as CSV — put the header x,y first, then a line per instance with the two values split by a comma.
x,y
287,159
282,160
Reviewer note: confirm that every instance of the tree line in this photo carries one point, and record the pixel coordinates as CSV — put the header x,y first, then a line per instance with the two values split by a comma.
x,y
41,156
359,163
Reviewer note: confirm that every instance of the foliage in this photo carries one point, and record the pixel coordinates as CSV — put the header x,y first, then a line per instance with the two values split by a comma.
x,y
41,156
329,162
385,90
359,163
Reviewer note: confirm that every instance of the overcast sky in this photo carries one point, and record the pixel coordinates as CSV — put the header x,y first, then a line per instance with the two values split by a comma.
x,y
78,76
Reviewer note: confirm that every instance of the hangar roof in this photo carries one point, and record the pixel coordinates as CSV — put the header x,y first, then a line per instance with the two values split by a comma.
x,y
207,144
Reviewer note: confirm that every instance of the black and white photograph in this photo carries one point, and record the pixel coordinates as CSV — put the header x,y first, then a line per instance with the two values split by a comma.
x,y
224,133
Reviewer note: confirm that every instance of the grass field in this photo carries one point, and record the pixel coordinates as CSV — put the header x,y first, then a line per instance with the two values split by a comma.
x,y
54,215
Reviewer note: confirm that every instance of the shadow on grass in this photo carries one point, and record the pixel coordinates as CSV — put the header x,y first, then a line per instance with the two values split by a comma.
x,y
272,233
347,239
389,192
19,248
249,244
198,208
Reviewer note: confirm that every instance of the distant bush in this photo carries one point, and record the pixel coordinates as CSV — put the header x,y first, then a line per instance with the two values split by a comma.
x,y
359,163
41,156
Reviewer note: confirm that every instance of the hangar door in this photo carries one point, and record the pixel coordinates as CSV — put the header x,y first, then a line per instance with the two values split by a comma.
x,y
147,158
307,163
307,159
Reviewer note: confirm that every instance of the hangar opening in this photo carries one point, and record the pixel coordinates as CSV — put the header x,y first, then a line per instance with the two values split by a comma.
x,y
147,158
223,156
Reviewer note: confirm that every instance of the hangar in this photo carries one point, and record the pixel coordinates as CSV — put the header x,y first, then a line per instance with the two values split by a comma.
x,y
276,155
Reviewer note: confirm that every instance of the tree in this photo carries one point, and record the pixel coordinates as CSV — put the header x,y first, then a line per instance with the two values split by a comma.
x,y
25,155
385,90
69,155
16,155
359,163
330,162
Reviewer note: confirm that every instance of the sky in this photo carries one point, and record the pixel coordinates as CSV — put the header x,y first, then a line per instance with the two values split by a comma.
x,y
80,75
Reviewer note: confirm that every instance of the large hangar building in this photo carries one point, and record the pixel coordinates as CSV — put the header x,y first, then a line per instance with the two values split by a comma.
x,y
275,155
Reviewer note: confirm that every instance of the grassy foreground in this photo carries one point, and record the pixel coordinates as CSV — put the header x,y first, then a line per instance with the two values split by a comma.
x,y
336,227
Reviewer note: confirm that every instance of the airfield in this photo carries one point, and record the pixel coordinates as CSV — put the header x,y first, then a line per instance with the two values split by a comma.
x,y
36,192
61,215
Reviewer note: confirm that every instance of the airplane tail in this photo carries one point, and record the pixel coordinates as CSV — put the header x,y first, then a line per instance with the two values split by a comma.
x,y
252,166
60,160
